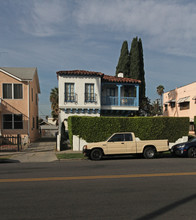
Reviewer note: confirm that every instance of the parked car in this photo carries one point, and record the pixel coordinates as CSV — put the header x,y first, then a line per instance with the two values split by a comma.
x,y
124,143
187,149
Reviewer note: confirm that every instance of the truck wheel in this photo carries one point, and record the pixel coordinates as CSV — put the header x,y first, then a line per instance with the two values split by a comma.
x,y
149,153
192,152
96,154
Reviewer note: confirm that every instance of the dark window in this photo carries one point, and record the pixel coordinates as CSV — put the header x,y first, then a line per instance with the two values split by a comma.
x,y
18,122
11,121
33,123
7,121
32,94
129,91
111,92
8,88
166,107
184,105
7,91
37,122
36,96
128,137
117,138
172,104
89,93
18,94
69,92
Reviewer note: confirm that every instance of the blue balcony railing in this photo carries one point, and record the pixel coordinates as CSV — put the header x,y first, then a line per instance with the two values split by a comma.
x,y
115,101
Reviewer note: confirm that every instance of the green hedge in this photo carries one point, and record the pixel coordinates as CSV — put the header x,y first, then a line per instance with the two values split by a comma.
x,y
94,129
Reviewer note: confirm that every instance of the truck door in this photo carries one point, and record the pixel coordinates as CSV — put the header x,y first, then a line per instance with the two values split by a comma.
x,y
116,144
131,145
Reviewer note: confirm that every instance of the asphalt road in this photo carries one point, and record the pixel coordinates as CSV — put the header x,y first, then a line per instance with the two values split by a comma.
x,y
139,189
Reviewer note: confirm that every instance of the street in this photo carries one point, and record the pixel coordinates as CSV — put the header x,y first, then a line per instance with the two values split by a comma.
x,y
119,188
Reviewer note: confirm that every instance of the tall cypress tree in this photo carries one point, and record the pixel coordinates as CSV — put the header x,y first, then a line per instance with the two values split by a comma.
x,y
141,71
137,65
123,62
134,59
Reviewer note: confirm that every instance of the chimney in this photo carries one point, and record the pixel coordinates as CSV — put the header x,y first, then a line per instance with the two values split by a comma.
x,y
121,75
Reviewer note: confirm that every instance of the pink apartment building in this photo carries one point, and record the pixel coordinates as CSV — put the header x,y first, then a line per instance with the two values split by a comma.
x,y
19,89
181,102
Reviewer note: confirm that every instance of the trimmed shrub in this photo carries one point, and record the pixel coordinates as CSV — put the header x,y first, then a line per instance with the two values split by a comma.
x,y
94,129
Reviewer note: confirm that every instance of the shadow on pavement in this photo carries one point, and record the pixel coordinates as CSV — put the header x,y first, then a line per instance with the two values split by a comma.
x,y
46,139
138,156
2,160
168,208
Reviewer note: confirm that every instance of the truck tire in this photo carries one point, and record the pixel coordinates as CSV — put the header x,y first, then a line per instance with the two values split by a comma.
x,y
96,154
149,153
192,152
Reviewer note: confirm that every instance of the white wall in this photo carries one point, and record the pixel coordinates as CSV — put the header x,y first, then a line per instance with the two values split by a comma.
x,y
64,115
79,87
80,107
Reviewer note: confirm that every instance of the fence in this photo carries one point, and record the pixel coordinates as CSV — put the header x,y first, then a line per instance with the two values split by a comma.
x,y
10,143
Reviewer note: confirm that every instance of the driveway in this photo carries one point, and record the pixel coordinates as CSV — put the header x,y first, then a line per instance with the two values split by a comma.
x,y
43,150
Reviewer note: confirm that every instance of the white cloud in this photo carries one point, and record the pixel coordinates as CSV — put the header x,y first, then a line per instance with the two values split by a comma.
x,y
166,26
44,18
169,25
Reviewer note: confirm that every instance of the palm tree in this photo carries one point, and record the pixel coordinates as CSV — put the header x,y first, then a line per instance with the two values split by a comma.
x,y
54,104
160,91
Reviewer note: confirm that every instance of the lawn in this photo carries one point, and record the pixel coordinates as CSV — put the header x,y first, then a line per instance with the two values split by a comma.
x,y
70,156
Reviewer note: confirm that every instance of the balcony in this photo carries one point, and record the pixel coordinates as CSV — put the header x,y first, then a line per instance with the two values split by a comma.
x,y
71,97
123,101
90,98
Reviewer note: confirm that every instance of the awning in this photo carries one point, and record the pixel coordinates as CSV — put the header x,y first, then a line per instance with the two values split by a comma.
x,y
185,99
172,100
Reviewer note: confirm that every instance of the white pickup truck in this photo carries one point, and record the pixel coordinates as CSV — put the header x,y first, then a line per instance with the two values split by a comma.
x,y
124,143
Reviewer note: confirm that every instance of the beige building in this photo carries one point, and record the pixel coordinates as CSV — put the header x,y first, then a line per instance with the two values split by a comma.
x,y
19,89
181,102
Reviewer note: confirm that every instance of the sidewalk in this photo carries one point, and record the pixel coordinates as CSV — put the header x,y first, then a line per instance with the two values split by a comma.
x,y
42,151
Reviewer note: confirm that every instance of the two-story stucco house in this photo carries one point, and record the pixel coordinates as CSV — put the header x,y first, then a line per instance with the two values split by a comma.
x,y
88,93
19,89
181,102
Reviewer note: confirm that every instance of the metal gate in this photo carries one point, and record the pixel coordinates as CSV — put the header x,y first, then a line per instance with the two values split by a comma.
x,y
10,143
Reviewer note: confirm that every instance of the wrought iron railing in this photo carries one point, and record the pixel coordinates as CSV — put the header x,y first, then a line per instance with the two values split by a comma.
x,y
71,97
90,97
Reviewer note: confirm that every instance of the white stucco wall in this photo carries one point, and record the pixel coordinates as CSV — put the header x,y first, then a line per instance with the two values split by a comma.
x,y
64,116
78,143
80,107
79,82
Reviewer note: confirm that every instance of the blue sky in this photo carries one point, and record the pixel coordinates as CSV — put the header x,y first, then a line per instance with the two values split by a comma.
x,y
55,35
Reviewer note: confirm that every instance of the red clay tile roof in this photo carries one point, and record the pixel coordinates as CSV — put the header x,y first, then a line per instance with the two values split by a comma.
x,y
119,79
80,72
106,78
